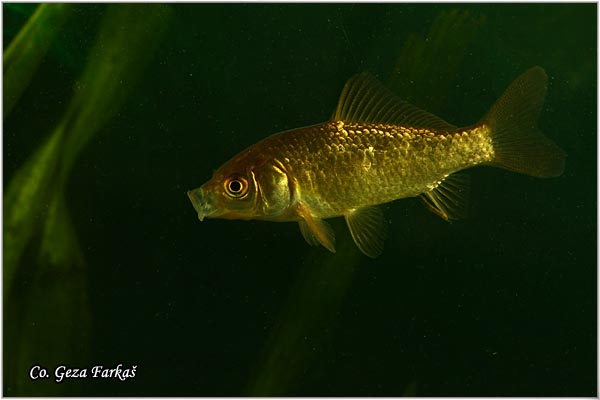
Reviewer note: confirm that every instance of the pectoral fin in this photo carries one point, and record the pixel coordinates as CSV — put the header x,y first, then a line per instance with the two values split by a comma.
x,y
307,234
368,228
315,230
449,199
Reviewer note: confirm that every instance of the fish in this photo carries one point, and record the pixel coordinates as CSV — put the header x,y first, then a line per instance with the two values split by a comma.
x,y
375,149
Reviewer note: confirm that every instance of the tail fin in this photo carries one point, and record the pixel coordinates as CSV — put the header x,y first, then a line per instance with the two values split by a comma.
x,y
518,144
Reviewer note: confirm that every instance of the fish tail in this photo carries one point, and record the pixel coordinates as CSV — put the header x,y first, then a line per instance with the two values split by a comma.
x,y
517,142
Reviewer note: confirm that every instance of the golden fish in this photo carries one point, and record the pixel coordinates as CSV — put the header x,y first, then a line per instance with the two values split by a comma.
x,y
378,148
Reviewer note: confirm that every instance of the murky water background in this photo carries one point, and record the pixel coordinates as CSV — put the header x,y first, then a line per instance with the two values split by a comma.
x,y
105,262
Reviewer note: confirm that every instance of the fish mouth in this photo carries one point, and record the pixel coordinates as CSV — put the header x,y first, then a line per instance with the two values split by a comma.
x,y
201,204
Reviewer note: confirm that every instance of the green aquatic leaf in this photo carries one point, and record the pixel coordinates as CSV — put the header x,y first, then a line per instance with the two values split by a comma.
x,y
49,313
21,8
45,295
307,315
25,202
428,65
24,54
102,89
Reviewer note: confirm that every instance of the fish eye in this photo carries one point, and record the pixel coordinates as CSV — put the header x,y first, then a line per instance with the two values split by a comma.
x,y
236,187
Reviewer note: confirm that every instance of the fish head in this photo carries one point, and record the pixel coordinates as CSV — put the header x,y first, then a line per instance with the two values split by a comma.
x,y
244,188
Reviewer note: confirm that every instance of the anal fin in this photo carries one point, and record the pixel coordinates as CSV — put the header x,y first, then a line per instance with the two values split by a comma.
x,y
368,228
315,230
449,199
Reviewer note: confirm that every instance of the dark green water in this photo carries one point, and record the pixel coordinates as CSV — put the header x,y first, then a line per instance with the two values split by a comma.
x,y
500,304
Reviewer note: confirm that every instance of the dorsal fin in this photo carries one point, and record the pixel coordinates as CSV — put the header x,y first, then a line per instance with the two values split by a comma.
x,y
365,100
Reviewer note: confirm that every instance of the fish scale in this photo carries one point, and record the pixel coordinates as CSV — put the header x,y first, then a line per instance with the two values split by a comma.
x,y
328,160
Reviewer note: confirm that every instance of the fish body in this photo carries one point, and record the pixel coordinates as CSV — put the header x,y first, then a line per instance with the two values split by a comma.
x,y
376,149
338,166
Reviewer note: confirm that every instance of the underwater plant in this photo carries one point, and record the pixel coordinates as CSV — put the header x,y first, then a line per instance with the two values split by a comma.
x,y
46,306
